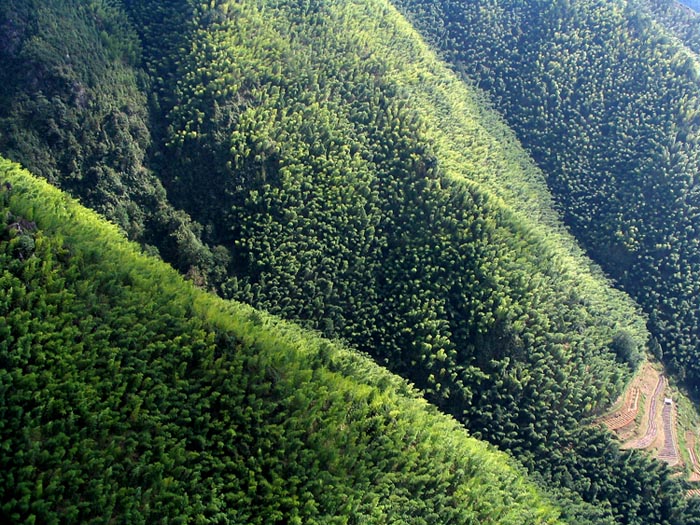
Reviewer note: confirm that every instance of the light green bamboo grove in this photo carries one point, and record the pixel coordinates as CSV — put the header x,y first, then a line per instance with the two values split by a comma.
x,y
129,395
347,205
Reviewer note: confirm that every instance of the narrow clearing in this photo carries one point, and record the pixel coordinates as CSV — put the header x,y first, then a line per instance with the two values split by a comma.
x,y
651,412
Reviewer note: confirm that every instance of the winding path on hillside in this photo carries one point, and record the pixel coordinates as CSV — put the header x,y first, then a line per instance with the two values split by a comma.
x,y
648,438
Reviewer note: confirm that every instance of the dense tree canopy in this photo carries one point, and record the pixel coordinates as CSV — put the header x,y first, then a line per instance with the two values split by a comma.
x,y
329,169
607,101
74,109
129,396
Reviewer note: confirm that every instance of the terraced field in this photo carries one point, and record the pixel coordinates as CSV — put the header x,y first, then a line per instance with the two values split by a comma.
x,y
645,417
627,413
669,452
625,419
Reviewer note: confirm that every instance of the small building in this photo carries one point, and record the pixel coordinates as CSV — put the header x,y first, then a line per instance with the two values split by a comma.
x,y
668,401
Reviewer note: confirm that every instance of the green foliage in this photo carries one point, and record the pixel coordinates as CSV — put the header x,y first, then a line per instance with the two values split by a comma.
x,y
626,350
73,109
62,113
130,396
351,198
677,19
604,95
326,167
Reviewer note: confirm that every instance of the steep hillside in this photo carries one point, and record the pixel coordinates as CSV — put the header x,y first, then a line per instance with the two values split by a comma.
x,y
129,396
343,177
608,103
74,109
359,195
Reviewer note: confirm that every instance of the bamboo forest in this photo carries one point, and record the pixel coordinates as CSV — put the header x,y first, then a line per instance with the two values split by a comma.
x,y
350,261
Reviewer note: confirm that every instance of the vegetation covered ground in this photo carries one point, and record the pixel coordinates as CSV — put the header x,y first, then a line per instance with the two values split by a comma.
x,y
315,159
130,396
655,415
605,97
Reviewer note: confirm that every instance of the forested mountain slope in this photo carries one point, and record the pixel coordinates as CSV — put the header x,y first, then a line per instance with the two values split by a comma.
x,y
315,160
608,103
340,175
129,396
75,111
